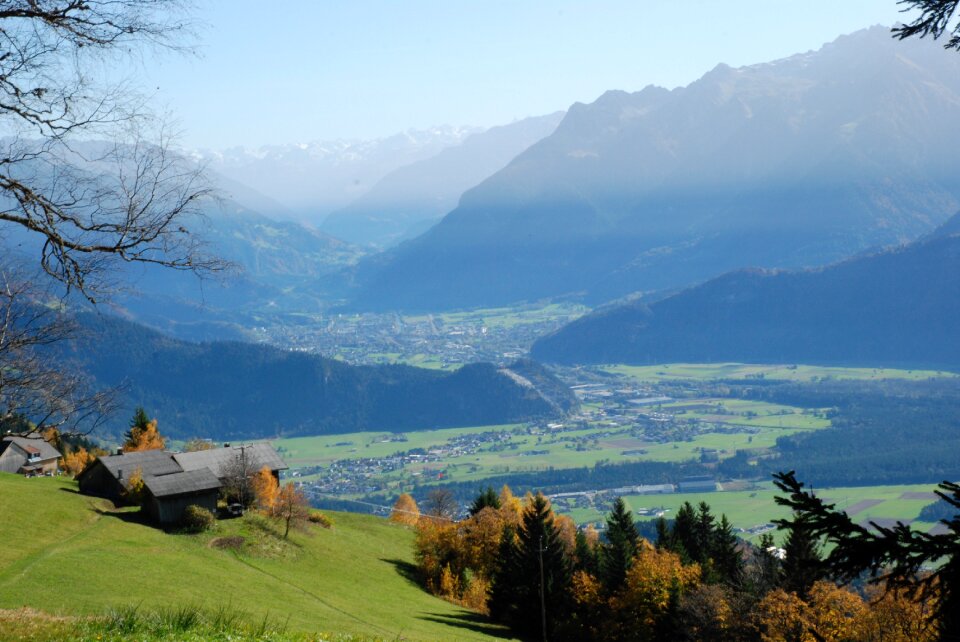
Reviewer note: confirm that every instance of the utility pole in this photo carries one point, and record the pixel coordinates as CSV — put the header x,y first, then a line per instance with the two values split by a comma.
x,y
543,593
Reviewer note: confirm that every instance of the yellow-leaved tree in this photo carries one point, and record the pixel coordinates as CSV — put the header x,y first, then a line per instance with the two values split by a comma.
x,y
75,462
266,489
405,510
143,434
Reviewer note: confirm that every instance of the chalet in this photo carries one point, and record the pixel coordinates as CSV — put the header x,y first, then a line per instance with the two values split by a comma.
x,y
28,456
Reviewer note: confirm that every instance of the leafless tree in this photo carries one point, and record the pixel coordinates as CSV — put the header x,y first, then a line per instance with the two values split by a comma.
x,y
86,205
441,504
88,181
33,385
238,479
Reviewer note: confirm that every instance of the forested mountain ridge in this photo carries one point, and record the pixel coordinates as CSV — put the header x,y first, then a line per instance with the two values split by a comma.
x,y
795,163
229,390
897,307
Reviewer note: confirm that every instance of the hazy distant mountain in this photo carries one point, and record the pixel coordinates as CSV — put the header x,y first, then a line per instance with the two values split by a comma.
x,y
896,307
310,180
794,163
281,267
228,390
408,200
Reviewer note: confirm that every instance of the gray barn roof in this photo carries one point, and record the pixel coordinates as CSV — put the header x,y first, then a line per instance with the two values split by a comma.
x,y
150,462
219,459
182,483
30,445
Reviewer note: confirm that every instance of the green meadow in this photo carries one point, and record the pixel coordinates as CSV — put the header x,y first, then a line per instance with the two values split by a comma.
x,y
798,372
71,555
754,507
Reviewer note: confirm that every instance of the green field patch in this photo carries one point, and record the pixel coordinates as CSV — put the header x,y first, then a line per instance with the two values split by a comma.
x,y
783,372
751,509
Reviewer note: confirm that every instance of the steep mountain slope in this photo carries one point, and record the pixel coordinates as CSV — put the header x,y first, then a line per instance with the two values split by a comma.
x,y
896,307
410,199
229,390
310,180
794,163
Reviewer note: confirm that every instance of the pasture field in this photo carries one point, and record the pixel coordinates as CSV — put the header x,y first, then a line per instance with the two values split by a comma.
x,y
749,509
506,318
798,372
467,454
68,554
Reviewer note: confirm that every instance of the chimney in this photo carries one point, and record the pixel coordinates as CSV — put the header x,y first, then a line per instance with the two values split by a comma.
x,y
120,451
226,445
119,473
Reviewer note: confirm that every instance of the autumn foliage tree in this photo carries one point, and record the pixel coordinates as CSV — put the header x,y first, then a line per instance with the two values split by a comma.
x,y
266,489
291,507
74,463
143,434
405,511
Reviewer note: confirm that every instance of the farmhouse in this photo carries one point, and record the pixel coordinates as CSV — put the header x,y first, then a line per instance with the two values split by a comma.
x,y
173,481
28,456
109,477
167,496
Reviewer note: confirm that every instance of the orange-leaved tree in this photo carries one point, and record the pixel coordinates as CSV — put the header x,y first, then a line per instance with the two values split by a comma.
x,y
74,463
143,434
291,506
405,510
266,489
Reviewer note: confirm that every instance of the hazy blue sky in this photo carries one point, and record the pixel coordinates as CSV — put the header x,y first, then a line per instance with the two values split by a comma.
x,y
296,71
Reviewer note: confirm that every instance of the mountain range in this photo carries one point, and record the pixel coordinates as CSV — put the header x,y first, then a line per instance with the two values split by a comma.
x,y
896,307
307,181
410,199
795,163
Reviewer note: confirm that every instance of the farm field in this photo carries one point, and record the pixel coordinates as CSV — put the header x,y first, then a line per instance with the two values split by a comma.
x,y
81,557
755,371
475,453
749,509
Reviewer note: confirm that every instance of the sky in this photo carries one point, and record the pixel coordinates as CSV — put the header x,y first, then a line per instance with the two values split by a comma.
x,y
305,70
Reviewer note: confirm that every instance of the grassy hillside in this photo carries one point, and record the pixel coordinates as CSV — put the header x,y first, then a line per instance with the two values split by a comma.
x,y
70,554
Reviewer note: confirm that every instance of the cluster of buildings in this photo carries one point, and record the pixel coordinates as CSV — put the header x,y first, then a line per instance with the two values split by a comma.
x,y
380,338
173,481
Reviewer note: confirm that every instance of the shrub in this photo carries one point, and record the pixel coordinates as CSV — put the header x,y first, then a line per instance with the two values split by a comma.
x,y
316,517
197,519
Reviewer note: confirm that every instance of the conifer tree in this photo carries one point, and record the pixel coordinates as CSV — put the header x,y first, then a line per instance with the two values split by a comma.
x,y
534,558
616,556
801,566
727,560
486,499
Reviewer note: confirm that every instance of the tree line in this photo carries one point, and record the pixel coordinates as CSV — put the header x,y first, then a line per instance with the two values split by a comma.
x,y
536,572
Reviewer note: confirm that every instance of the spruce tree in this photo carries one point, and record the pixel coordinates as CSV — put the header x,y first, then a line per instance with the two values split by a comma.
x,y
616,556
486,499
586,555
727,560
138,423
802,564
535,558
